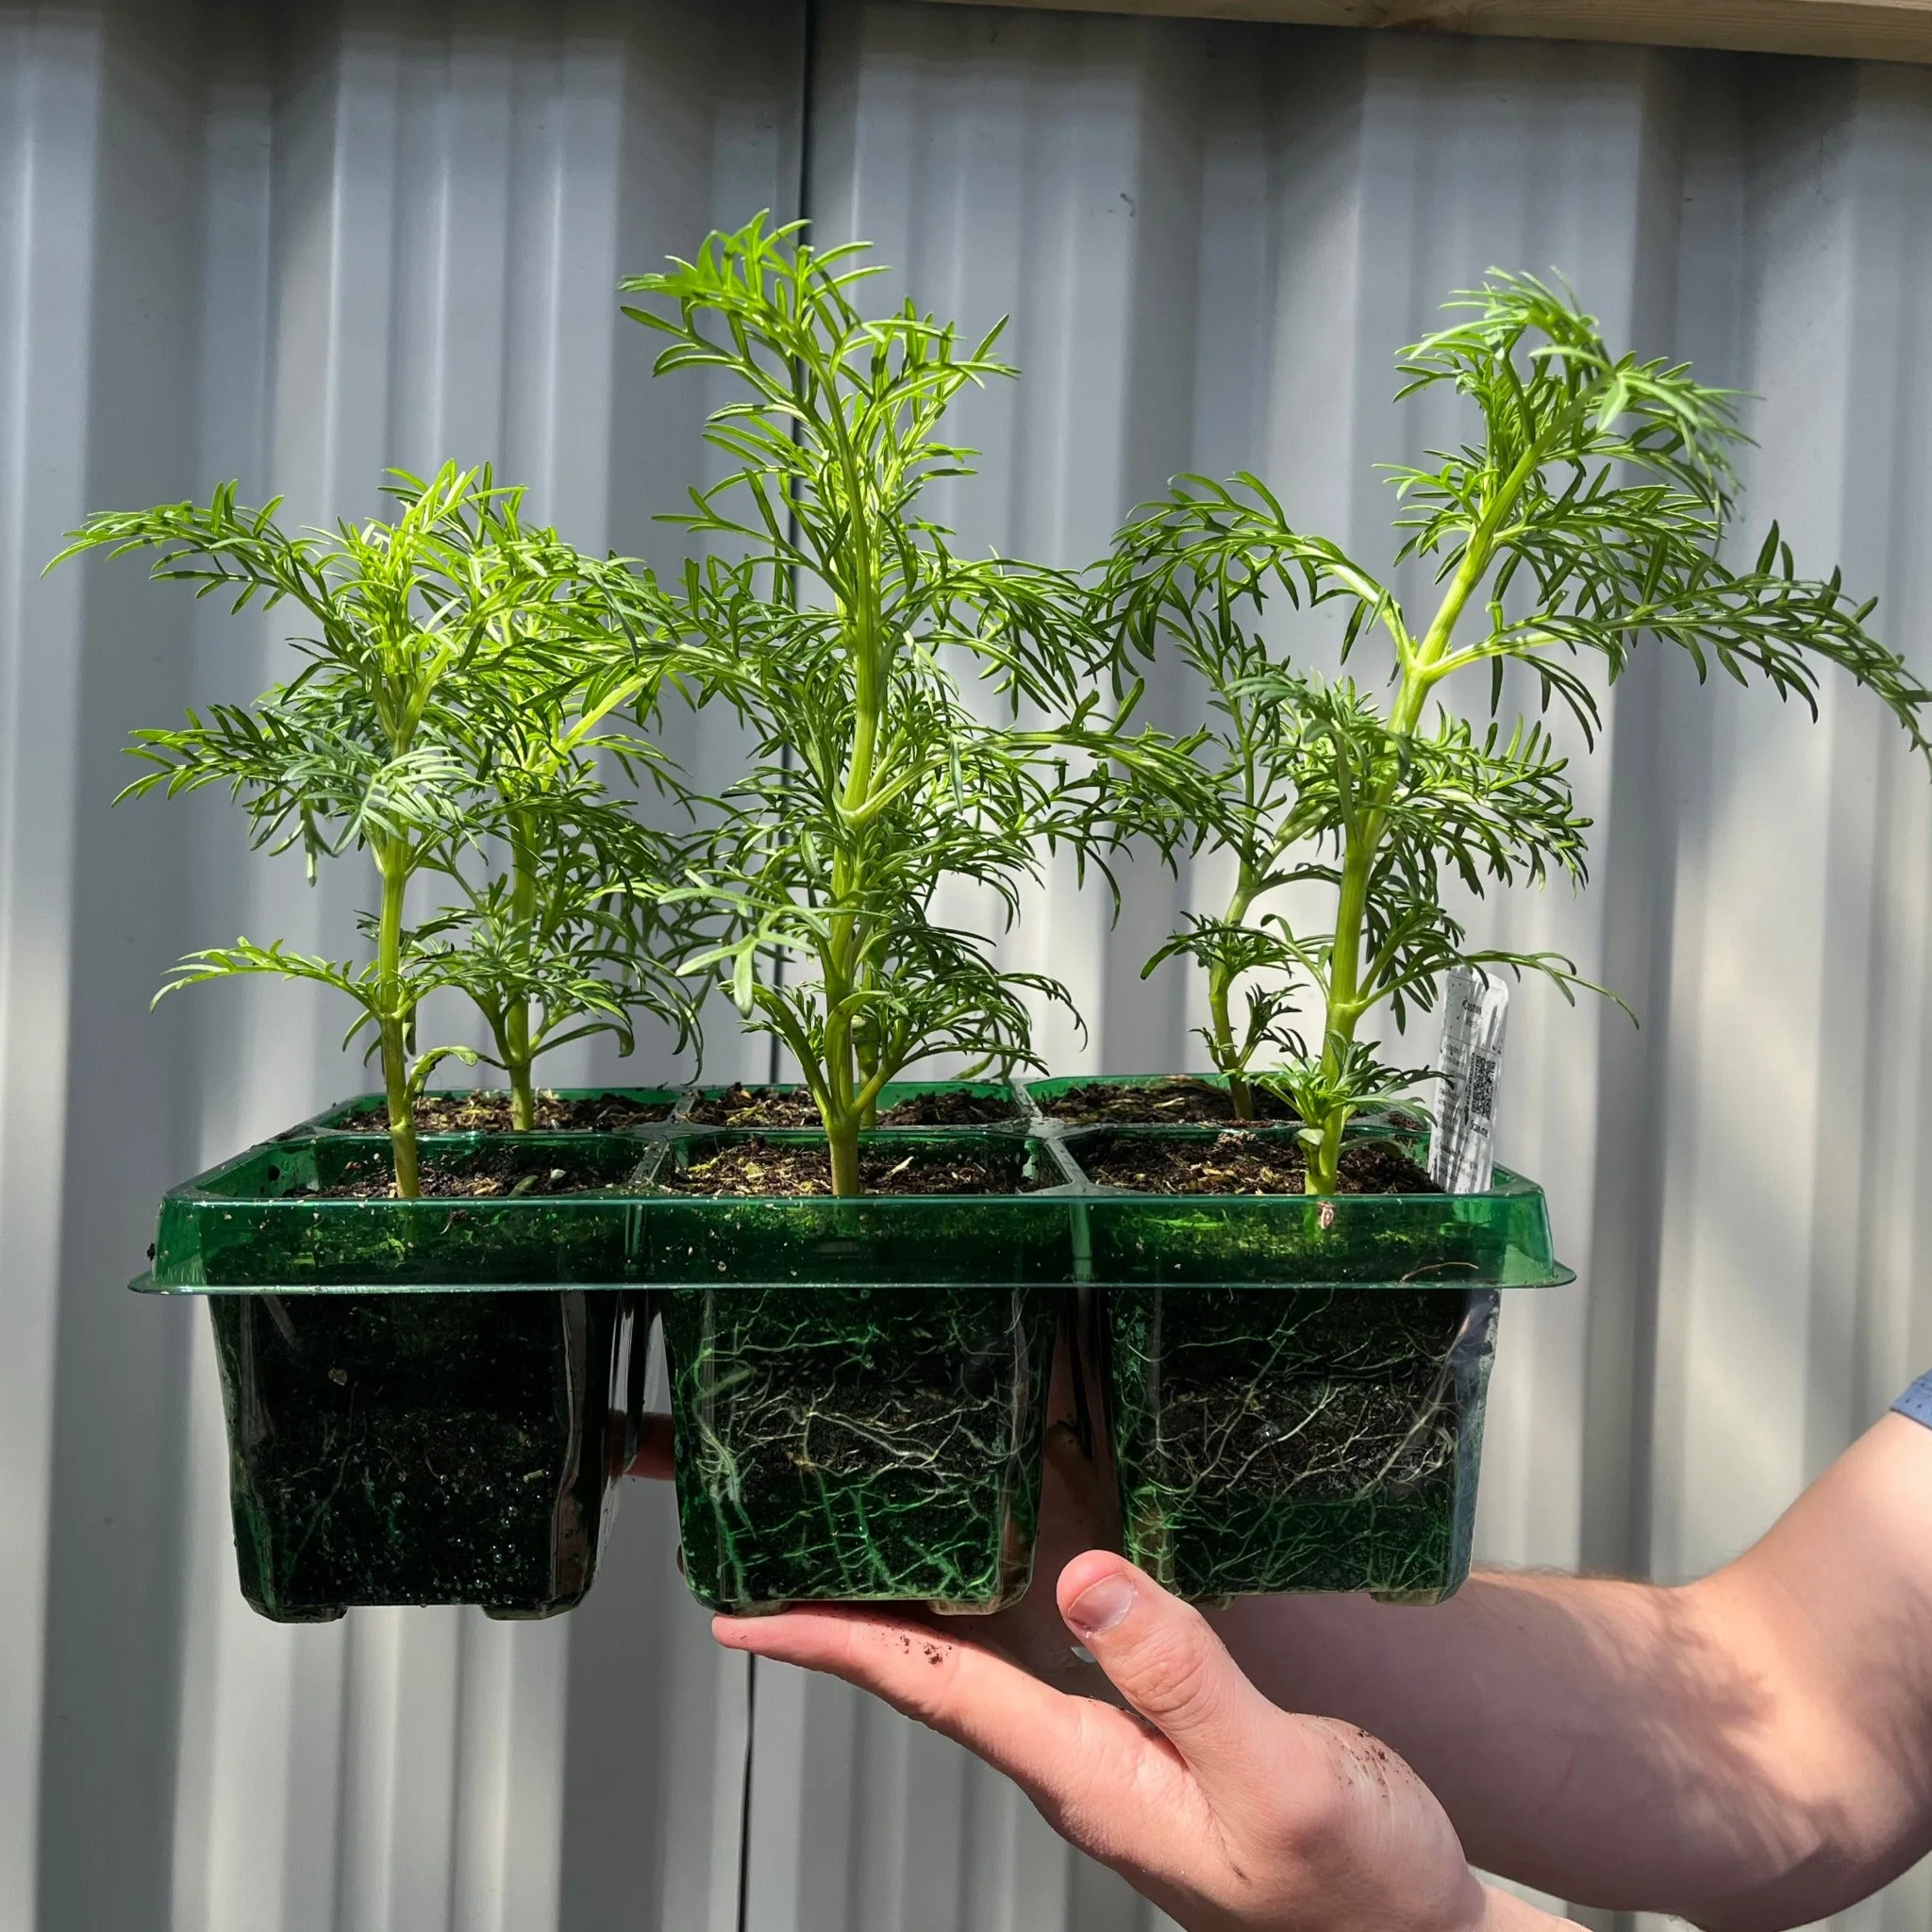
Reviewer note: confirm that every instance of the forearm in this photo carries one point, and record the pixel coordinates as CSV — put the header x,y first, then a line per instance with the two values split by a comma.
x,y
1614,1744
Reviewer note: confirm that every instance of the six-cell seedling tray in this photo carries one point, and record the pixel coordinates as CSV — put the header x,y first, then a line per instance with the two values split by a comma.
x,y
432,1400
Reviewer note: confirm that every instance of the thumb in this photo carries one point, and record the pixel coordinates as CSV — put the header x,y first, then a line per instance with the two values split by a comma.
x,y
1163,1659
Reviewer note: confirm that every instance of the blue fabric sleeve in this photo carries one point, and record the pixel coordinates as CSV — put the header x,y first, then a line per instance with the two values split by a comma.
x,y
1917,1400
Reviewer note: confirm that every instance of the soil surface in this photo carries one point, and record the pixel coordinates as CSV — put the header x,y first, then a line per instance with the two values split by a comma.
x,y
740,1106
1177,1102
949,1110
1235,1164
758,1167
494,1173
771,1107
488,1113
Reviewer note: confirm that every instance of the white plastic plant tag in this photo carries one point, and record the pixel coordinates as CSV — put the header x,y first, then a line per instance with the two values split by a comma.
x,y
1462,1152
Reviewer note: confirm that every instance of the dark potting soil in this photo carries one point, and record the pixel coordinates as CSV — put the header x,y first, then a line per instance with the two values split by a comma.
x,y
779,1169
740,1105
1235,1164
856,1442
491,1174
1323,1437
766,1106
1177,1102
488,1113
1280,1439
948,1110
414,1449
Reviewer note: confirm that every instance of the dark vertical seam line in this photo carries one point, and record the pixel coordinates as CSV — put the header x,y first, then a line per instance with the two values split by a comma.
x,y
808,80
751,1715
808,87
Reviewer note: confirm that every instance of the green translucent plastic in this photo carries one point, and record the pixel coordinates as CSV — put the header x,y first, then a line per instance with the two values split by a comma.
x,y
253,1222
391,1446
1294,1387
1299,1439
883,1241
423,1449
1498,1238
859,1400
866,1443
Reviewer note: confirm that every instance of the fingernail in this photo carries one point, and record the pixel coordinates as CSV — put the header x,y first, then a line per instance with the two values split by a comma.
x,y
1101,1605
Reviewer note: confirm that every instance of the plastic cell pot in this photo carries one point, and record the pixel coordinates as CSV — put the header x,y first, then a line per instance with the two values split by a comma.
x,y
1145,1099
859,1387
428,1402
424,1448
1294,1387
1292,1438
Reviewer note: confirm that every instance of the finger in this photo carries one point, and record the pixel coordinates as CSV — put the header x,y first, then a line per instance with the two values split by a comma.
x,y
1094,1772
653,1458
1167,1663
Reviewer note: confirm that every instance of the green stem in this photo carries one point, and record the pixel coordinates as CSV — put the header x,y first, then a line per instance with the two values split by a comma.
x,y
1221,978
517,1064
1420,668
1346,1005
518,1059
843,1139
393,1023
840,958
1221,1031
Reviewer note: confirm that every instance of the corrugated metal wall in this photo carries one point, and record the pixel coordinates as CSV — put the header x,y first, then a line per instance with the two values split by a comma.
x,y
295,244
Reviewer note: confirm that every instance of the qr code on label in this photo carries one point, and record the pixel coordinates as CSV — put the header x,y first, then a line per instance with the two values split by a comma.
x,y
1482,1086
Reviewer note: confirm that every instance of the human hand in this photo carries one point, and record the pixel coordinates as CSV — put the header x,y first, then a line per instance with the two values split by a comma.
x,y
1229,1814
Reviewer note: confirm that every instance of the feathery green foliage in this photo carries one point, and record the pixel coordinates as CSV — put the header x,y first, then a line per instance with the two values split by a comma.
x,y
1589,514
842,625
460,674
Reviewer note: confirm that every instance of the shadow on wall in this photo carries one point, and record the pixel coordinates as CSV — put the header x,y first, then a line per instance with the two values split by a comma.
x,y
292,248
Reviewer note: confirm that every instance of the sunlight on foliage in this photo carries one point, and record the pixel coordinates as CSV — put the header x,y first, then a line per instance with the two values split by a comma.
x,y
461,669
843,627
1589,515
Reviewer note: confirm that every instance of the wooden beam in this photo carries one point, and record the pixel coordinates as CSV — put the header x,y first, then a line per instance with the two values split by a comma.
x,y
1843,29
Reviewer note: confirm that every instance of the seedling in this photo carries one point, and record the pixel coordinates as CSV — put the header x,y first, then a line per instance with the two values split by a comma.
x,y
564,934
455,691
851,637
1589,514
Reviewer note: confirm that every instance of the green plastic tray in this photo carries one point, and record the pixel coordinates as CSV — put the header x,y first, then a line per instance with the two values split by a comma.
x,y
859,1387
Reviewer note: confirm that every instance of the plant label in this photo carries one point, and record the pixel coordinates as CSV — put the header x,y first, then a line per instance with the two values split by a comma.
x,y
1475,1008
